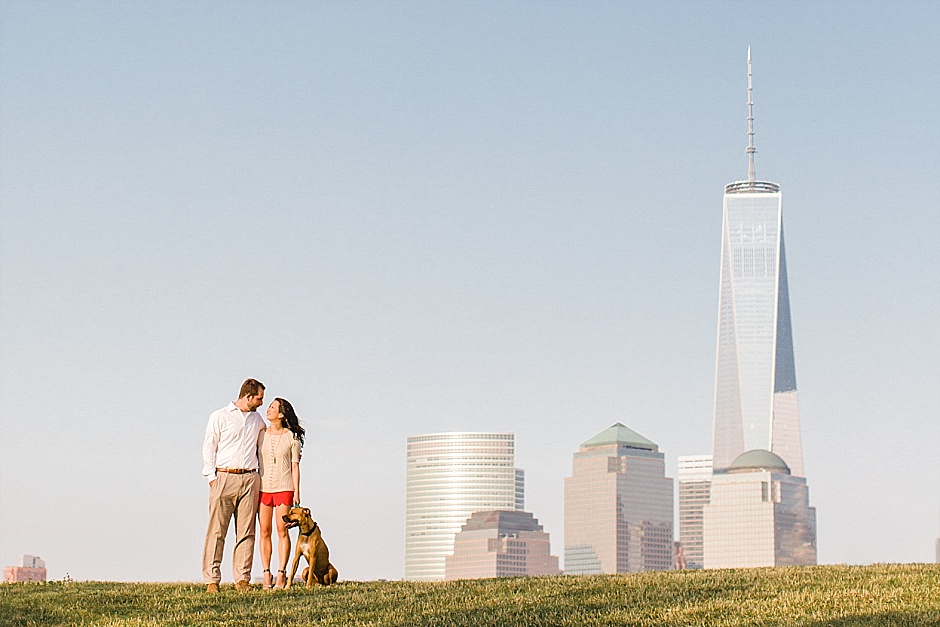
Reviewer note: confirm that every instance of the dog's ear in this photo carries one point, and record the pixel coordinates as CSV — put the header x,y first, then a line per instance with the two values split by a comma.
x,y
307,511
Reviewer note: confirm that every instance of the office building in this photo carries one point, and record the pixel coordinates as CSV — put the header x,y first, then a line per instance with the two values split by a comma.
x,y
618,506
500,543
758,515
695,477
755,380
449,477
30,568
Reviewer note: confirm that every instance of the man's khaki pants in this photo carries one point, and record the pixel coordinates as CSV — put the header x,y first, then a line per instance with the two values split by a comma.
x,y
231,495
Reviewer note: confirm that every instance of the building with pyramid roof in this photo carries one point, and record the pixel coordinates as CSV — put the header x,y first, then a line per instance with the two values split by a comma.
x,y
618,506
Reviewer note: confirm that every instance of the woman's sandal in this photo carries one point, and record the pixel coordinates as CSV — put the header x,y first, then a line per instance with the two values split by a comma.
x,y
268,579
279,584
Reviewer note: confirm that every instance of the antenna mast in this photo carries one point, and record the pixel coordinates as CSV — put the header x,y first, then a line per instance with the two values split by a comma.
x,y
751,185
750,123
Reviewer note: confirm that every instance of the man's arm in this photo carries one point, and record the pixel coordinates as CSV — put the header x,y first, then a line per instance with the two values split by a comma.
x,y
210,447
260,426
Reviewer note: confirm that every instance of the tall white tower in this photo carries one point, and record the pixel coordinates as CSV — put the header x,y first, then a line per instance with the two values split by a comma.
x,y
449,477
755,377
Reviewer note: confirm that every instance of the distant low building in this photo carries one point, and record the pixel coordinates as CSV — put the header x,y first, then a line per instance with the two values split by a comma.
x,y
500,543
31,568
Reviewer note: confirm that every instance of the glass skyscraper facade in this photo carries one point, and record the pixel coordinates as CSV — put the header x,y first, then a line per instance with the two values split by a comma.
x,y
755,374
449,477
755,380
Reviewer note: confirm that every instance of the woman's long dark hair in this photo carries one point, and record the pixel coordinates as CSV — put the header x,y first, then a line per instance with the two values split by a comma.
x,y
293,423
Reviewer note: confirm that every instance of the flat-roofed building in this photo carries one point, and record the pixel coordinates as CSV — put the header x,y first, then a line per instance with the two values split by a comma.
x,y
500,543
30,568
618,506
759,515
695,480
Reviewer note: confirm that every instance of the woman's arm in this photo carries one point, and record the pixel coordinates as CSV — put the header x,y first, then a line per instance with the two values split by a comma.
x,y
295,476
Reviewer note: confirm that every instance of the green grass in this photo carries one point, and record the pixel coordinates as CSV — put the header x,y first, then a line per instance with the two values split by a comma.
x,y
824,595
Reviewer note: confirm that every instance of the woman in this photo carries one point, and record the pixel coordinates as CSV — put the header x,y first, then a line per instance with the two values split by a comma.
x,y
279,456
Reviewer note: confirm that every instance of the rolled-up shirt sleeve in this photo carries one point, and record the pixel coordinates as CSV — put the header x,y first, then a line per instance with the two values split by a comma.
x,y
210,447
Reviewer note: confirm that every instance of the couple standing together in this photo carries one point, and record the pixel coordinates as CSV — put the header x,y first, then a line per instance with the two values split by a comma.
x,y
253,470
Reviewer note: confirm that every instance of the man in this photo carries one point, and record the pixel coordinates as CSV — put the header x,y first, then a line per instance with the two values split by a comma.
x,y
230,463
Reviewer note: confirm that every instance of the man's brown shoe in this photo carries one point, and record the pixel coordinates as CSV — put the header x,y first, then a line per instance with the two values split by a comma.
x,y
212,587
242,586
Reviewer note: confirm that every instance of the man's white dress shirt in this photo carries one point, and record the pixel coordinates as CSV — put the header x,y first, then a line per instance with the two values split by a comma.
x,y
231,440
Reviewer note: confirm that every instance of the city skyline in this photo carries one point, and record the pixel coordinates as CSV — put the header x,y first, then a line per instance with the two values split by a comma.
x,y
413,218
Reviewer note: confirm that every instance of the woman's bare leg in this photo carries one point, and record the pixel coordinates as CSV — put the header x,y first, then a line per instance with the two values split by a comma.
x,y
264,521
283,544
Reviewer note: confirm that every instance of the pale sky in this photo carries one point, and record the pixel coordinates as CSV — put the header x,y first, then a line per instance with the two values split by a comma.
x,y
418,217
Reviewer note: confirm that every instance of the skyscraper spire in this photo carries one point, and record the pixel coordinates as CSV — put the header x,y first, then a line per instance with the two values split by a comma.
x,y
751,184
750,124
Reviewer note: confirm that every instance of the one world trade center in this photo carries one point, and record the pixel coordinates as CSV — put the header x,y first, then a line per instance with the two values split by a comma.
x,y
755,380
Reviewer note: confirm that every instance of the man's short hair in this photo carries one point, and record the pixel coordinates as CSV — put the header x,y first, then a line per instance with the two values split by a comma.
x,y
251,387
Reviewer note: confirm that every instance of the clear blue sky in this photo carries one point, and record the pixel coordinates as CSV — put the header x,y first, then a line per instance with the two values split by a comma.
x,y
417,217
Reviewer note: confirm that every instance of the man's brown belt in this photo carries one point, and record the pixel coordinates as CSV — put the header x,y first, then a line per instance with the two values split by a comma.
x,y
235,471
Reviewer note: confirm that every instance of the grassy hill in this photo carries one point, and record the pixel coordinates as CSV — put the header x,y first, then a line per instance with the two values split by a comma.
x,y
825,595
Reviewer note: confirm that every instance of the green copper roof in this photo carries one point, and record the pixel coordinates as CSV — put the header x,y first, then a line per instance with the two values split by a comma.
x,y
619,434
758,459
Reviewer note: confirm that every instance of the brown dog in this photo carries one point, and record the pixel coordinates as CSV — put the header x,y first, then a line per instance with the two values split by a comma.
x,y
311,546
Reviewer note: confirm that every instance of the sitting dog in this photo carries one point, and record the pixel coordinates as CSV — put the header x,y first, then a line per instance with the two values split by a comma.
x,y
311,546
